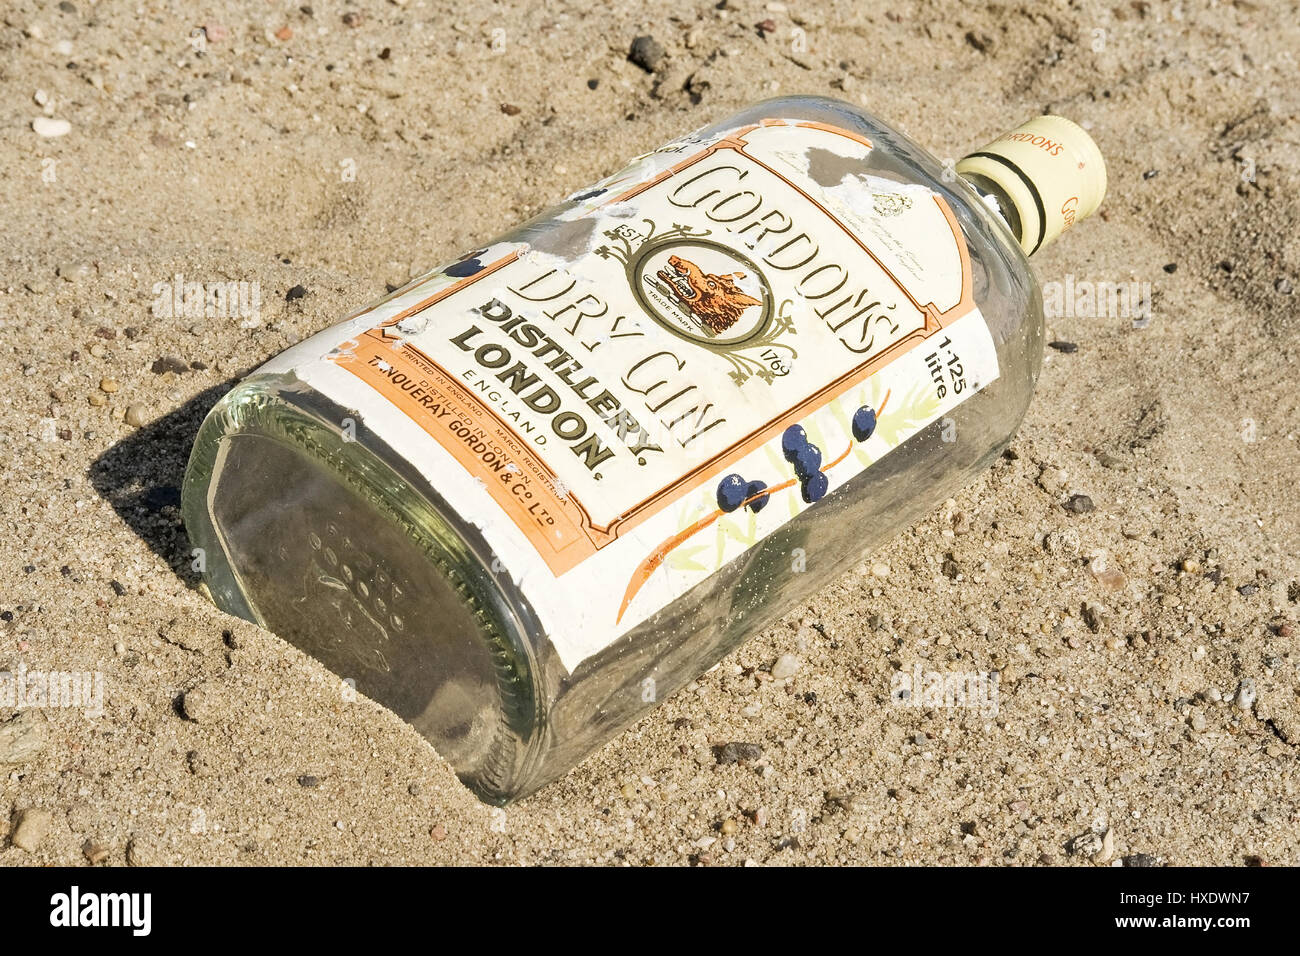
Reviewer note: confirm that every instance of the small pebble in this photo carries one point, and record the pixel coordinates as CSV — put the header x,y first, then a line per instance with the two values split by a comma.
x,y
1107,848
33,825
438,832
787,665
737,753
109,385
136,416
48,127
1246,694
1067,347
1079,504
1088,844
21,738
297,292
646,53
169,363
94,852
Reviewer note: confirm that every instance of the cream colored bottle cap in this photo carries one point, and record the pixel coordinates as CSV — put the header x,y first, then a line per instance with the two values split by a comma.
x,y
1051,170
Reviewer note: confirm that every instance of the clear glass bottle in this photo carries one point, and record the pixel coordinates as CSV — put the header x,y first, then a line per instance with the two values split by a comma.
x,y
532,493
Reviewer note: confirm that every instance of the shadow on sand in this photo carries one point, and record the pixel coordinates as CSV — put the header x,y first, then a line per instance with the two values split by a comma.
x,y
141,476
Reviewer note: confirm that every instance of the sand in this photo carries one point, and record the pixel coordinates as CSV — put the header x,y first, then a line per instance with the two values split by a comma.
x,y
295,148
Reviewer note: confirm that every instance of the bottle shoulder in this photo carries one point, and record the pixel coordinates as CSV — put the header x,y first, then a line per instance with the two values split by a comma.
x,y
1003,281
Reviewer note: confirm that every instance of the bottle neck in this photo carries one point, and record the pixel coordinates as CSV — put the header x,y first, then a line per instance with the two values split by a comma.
x,y
996,199
1040,178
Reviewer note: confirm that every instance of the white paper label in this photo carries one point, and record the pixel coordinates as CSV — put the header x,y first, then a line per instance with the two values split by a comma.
x,y
705,345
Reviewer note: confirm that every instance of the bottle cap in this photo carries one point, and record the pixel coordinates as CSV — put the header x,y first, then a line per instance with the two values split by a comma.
x,y
1050,169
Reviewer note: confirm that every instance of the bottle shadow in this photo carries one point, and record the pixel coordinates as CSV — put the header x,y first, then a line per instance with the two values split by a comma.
x,y
141,478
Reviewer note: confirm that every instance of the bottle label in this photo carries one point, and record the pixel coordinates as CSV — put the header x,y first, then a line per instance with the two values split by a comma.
x,y
708,343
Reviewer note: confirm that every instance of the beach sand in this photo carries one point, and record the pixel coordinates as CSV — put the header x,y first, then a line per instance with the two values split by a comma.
x,y
1146,649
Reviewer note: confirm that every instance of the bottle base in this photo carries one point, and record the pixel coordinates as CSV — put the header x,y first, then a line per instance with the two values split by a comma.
x,y
363,573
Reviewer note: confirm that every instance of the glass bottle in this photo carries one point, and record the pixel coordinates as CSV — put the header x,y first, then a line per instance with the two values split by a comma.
x,y
532,493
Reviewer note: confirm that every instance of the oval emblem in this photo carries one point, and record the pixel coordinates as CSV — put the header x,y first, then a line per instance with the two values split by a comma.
x,y
702,292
